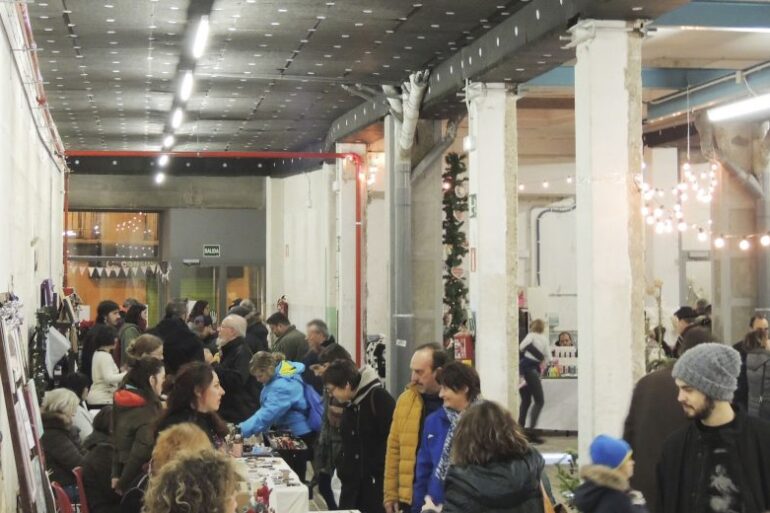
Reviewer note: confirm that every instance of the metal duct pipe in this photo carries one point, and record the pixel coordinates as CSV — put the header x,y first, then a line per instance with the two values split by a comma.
x,y
437,151
763,223
394,100
414,90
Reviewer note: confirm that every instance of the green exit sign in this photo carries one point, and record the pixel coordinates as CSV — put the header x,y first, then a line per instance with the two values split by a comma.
x,y
212,250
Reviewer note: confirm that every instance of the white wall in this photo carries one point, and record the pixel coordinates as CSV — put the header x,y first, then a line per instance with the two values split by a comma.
x,y
31,194
300,250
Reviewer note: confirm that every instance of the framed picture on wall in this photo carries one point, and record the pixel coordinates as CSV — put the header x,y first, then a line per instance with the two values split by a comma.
x,y
12,341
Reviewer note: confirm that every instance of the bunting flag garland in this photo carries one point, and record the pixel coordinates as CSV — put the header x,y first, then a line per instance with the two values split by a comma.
x,y
121,270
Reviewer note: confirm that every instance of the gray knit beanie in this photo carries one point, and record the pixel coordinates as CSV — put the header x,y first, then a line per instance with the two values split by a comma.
x,y
710,368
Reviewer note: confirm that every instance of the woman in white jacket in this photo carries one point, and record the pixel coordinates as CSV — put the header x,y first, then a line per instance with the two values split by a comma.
x,y
105,374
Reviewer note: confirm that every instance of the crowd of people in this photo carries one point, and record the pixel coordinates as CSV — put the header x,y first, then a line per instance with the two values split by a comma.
x,y
168,398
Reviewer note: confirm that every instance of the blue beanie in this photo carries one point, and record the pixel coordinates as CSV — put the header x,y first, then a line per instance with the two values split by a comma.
x,y
609,452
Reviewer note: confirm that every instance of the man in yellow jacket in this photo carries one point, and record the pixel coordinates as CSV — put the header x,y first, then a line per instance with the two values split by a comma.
x,y
416,402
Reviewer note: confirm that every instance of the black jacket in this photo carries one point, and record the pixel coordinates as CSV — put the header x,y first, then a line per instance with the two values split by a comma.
x,y
655,414
605,490
680,468
61,447
504,487
97,469
364,432
180,345
741,397
256,337
242,390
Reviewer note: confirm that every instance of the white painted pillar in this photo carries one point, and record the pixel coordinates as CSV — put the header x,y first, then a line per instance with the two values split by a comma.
x,y
276,247
610,253
346,247
493,171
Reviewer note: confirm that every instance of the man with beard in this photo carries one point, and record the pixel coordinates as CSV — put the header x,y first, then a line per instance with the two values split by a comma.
x,y
242,390
720,462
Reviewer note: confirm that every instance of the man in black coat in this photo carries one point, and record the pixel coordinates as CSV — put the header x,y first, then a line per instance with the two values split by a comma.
x,y
364,429
720,462
242,390
180,344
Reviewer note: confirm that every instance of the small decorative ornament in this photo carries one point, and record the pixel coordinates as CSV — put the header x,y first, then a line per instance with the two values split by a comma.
x,y
458,272
461,191
459,215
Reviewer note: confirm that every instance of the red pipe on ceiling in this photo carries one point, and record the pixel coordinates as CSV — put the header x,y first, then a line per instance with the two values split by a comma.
x,y
360,183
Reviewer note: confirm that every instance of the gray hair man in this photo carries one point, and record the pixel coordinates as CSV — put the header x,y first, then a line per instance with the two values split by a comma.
x,y
318,338
242,390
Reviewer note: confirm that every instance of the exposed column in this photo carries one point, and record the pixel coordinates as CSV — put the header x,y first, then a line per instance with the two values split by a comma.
x,y
401,343
610,252
346,185
492,182
275,249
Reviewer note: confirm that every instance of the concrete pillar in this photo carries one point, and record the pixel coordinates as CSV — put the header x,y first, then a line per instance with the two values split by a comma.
x,y
275,246
493,172
346,248
762,170
610,253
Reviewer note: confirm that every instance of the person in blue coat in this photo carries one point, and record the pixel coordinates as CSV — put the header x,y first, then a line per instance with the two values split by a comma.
x,y
283,405
460,388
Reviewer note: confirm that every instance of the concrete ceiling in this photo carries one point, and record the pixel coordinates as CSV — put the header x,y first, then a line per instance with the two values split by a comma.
x,y
271,73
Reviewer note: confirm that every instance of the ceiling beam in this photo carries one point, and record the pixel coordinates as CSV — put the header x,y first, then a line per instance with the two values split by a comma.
x,y
652,78
718,15
539,22
735,86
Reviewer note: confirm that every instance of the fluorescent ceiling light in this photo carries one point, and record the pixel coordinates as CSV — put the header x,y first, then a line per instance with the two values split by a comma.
x,y
201,35
754,105
185,90
163,160
176,119
168,141
160,177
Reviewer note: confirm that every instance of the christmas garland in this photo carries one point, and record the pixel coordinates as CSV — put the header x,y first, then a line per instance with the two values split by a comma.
x,y
455,243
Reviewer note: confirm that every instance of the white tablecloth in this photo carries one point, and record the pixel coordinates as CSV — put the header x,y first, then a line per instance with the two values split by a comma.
x,y
283,498
560,412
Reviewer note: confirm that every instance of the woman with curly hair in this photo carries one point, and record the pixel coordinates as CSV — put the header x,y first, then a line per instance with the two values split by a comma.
x,y
195,482
494,468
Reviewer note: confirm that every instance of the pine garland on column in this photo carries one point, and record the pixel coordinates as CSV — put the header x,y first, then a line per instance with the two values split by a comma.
x,y
455,244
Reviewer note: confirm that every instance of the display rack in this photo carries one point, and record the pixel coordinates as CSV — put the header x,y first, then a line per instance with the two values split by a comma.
x,y
23,411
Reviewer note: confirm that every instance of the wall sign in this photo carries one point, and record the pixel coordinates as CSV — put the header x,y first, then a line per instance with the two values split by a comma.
x,y
472,206
212,250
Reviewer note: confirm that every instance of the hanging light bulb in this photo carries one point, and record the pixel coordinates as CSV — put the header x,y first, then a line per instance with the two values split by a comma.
x,y
660,227
702,235
714,166
648,195
645,211
744,244
660,193
546,185
682,186
765,240
682,226
686,166
678,214
645,186
658,212
651,220
521,187
569,179
684,196
719,242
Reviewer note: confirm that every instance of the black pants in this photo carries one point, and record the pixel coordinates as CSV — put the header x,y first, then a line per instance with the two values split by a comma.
x,y
533,390
297,460
366,495
325,487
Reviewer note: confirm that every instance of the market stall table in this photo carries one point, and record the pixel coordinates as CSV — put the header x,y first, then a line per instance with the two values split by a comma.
x,y
287,493
560,412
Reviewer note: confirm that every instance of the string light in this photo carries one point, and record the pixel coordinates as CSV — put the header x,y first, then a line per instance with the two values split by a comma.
x,y
744,245
719,242
765,240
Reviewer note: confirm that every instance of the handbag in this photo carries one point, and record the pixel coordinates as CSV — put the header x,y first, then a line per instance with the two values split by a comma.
x,y
547,504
